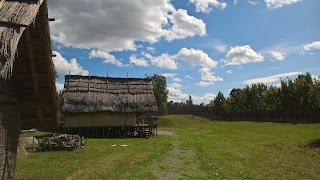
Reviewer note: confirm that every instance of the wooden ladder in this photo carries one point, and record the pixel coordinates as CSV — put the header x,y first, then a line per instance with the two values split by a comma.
x,y
145,132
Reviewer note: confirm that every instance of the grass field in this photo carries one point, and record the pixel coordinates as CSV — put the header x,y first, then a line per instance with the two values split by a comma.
x,y
200,149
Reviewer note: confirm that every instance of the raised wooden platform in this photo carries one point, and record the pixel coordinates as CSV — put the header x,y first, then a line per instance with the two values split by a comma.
x,y
137,131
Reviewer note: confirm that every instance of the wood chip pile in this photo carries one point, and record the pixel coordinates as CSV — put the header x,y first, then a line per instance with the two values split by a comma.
x,y
61,142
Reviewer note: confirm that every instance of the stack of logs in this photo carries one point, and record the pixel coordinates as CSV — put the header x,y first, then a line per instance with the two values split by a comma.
x,y
61,142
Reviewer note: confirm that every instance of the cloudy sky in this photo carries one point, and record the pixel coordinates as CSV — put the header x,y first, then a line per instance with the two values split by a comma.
x,y
201,46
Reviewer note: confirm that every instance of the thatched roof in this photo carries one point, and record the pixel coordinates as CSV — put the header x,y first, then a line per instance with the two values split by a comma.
x,y
26,60
95,94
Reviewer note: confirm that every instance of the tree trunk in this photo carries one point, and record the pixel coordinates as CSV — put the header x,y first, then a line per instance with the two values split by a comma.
x,y
9,137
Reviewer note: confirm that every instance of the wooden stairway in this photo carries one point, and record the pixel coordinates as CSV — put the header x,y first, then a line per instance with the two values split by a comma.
x,y
145,132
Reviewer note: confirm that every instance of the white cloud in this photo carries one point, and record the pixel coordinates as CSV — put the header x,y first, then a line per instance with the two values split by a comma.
x,y
138,61
176,95
204,99
164,61
208,77
242,55
189,77
271,69
205,5
284,48
312,46
184,26
116,25
167,75
235,2
277,55
317,78
254,3
152,49
196,57
64,67
273,4
59,86
204,84
270,79
229,71
220,46
175,85
108,58
176,79
193,56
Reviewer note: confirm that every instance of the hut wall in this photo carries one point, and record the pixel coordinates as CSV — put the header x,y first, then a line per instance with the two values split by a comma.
x,y
9,130
99,119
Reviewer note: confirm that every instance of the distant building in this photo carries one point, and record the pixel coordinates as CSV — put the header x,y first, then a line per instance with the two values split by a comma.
x,y
109,107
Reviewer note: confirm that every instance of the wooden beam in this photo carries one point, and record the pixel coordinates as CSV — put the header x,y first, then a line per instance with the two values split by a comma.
x,y
31,104
34,78
32,63
30,120
41,75
13,24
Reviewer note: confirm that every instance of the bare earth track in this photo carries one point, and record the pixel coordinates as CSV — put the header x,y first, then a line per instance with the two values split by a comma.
x,y
175,164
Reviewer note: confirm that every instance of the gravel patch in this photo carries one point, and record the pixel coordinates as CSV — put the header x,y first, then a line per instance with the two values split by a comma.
x,y
165,133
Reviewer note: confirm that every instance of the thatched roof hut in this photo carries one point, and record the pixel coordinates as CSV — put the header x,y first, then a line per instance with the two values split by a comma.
x,y
90,101
83,94
27,76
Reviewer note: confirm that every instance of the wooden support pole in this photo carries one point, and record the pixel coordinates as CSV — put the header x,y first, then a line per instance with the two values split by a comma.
x,y
35,83
32,63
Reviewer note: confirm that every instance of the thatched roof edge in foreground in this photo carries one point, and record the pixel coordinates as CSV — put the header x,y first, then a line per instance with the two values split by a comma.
x,y
26,60
15,17
83,94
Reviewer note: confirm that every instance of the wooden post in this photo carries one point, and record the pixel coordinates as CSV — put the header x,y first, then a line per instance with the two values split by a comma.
x,y
35,82
125,126
140,131
89,83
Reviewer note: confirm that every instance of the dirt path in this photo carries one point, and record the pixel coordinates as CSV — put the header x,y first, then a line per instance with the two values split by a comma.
x,y
178,164
165,133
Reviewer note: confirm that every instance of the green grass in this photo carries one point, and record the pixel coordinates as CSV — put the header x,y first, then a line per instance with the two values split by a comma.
x,y
201,149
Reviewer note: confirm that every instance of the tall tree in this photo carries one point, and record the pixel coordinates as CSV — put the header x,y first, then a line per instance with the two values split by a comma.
x,y
218,104
160,93
189,102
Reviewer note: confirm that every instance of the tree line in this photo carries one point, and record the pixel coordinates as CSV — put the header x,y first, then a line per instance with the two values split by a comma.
x,y
295,100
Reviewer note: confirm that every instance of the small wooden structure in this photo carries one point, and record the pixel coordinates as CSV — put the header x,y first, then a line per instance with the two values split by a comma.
x,y
27,76
109,107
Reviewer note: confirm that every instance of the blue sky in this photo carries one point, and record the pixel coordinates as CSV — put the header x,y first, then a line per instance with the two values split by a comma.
x,y
201,46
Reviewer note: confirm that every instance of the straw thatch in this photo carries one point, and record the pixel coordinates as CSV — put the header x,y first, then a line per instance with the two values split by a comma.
x,y
14,18
96,94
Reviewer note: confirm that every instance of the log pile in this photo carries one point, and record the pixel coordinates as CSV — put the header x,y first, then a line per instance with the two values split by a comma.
x,y
61,142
